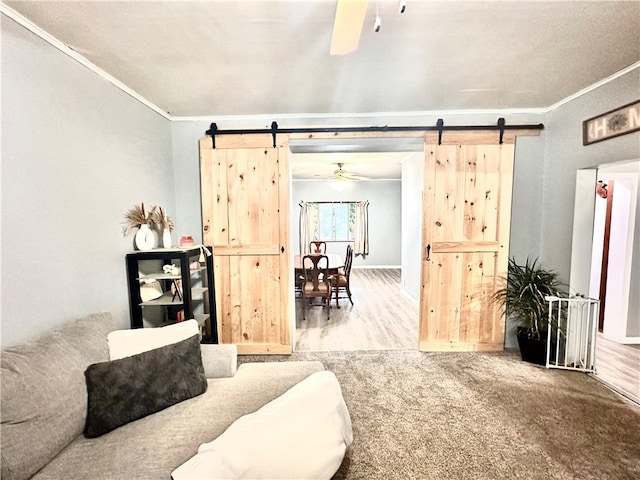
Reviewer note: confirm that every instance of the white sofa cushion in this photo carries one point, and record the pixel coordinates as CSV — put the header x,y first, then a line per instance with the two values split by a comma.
x,y
125,343
303,434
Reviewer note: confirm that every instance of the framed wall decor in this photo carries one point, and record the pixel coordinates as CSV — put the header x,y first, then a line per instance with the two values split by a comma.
x,y
622,120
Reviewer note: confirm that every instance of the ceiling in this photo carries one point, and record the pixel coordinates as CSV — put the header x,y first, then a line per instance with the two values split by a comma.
x,y
229,58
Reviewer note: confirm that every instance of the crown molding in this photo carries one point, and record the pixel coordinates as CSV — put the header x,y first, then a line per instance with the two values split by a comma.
x,y
53,41
347,116
594,86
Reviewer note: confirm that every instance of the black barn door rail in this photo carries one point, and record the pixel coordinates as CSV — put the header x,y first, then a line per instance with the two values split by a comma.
x,y
439,127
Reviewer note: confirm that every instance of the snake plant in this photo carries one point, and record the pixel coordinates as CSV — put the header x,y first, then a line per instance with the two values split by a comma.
x,y
523,297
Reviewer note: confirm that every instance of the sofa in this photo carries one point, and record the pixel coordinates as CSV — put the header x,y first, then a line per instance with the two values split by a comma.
x,y
47,406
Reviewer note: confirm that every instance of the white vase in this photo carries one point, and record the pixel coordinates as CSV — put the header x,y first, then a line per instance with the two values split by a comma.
x,y
166,238
145,238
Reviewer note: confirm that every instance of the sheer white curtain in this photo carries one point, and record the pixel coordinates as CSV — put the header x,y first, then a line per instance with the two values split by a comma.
x,y
361,240
308,225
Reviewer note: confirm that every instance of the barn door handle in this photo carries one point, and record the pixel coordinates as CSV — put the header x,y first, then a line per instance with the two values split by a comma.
x,y
282,249
428,257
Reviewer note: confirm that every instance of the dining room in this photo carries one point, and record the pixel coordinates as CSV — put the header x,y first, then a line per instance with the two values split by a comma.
x,y
382,312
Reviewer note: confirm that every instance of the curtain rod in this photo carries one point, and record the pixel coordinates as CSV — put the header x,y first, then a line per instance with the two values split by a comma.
x,y
440,127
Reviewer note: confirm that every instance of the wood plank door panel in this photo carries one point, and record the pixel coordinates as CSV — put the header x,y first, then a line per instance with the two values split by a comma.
x,y
466,217
245,217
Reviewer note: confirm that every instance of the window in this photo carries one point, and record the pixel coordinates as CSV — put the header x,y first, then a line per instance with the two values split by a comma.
x,y
336,221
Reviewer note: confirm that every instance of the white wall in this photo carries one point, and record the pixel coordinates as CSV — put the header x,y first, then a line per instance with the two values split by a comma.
x,y
384,216
76,154
412,189
633,312
622,306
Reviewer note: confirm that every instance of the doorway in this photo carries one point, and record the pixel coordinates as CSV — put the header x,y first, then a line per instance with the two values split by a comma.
x,y
384,315
605,265
475,218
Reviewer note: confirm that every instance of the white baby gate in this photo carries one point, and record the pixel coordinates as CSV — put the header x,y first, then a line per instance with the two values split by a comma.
x,y
571,343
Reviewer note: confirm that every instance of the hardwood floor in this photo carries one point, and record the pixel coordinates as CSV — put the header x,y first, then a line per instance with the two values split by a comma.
x,y
618,366
382,317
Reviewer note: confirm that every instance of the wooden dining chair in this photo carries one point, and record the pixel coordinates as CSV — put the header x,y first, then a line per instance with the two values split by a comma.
x,y
318,283
341,281
300,275
318,247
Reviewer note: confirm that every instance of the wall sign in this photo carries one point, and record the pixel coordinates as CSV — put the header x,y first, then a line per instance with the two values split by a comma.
x,y
620,121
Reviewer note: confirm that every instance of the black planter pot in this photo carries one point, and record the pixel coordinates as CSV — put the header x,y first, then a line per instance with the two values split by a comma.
x,y
532,350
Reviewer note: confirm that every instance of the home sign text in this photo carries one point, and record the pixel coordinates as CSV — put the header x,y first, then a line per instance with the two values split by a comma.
x,y
617,122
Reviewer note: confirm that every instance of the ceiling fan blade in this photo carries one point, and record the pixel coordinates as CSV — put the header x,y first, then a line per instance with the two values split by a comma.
x,y
348,176
344,175
347,26
355,177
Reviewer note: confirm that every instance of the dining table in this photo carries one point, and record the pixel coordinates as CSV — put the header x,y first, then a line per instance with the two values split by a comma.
x,y
335,261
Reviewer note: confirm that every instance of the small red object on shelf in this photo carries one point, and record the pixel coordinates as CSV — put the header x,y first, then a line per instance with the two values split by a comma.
x,y
187,241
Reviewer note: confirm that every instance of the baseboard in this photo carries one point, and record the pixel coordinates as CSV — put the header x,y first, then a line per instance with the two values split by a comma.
x,y
409,297
623,393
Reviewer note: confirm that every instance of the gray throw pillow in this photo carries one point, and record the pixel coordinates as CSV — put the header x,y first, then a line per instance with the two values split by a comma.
x,y
130,388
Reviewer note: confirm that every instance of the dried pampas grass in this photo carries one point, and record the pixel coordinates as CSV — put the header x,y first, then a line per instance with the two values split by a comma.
x,y
136,216
161,218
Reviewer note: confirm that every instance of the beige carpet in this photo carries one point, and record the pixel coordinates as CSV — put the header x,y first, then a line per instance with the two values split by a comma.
x,y
478,416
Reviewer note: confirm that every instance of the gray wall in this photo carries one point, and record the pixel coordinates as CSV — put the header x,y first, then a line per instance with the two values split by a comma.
x,y
565,154
76,154
186,164
384,217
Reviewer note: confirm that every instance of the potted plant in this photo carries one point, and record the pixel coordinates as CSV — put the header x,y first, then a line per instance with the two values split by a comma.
x,y
523,299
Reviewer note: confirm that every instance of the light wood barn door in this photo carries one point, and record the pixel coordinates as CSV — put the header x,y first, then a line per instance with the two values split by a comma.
x,y
245,217
466,218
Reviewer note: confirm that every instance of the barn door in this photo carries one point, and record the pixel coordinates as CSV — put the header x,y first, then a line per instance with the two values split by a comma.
x,y
245,217
466,217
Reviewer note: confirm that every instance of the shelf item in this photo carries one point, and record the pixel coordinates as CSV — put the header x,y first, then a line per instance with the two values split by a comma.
x,y
150,290
184,293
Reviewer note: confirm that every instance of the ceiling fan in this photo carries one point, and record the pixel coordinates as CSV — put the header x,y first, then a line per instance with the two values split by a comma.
x,y
341,175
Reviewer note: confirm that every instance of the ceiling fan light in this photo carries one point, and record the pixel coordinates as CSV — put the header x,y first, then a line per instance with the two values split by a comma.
x,y
340,184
